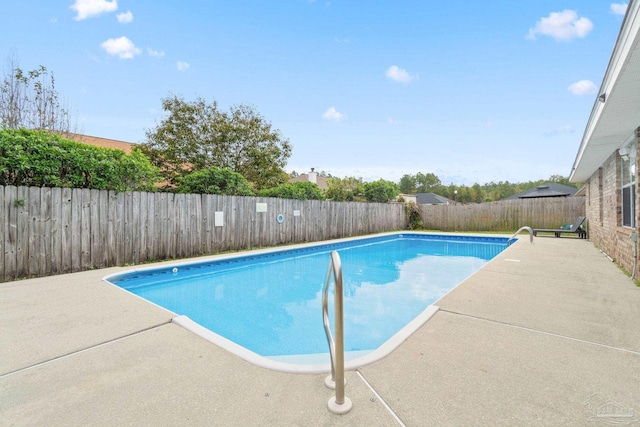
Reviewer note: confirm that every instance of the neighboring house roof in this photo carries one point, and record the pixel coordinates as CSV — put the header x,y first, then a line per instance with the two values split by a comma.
x,y
99,142
550,189
407,197
616,111
320,181
431,199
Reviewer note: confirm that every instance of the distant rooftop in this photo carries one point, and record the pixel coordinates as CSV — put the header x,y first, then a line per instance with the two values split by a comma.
x,y
550,189
431,199
313,177
99,142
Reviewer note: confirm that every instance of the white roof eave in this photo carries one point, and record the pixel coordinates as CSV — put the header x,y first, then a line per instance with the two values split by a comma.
x,y
613,120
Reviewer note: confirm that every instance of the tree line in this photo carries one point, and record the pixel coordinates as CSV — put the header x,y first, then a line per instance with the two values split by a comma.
x,y
196,148
476,193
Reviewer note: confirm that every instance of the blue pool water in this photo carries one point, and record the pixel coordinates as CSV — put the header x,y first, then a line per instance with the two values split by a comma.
x,y
270,303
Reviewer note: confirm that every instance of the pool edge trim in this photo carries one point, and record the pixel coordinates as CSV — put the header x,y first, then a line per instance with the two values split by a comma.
x,y
375,355
264,362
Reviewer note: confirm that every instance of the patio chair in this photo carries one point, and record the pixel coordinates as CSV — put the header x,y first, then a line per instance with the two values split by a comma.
x,y
575,228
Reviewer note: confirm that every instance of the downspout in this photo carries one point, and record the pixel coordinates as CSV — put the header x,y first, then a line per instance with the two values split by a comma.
x,y
634,235
634,239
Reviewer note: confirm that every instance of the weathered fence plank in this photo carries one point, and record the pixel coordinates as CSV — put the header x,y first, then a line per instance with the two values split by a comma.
x,y
46,229
56,231
128,228
53,230
95,225
160,211
135,227
49,231
34,259
85,229
151,224
505,215
102,259
67,231
112,225
143,221
4,229
11,235
22,238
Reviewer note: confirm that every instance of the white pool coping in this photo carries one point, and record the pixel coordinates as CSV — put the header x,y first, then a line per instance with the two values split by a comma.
x,y
305,363
300,363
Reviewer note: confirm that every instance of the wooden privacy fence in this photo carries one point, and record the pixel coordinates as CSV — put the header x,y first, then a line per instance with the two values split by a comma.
x,y
47,231
505,215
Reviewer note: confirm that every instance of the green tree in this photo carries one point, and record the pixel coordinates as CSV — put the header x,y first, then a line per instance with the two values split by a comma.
x,y
43,159
215,181
491,191
408,184
380,191
345,189
29,99
295,190
427,183
419,183
478,193
561,180
198,135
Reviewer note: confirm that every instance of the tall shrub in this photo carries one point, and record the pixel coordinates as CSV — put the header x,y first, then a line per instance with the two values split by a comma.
x,y
295,190
215,181
380,191
42,159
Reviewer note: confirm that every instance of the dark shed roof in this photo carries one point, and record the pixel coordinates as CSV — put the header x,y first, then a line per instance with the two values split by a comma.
x,y
430,199
550,189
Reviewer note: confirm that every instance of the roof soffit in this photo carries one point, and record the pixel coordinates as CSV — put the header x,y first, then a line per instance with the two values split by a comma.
x,y
611,122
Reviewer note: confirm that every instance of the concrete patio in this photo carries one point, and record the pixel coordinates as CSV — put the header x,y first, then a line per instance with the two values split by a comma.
x,y
545,334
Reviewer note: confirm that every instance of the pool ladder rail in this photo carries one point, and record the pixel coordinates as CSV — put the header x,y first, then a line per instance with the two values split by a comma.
x,y
338,404
526,227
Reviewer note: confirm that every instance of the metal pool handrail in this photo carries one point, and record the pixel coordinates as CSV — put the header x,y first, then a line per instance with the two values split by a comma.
x,y
339,404
526,227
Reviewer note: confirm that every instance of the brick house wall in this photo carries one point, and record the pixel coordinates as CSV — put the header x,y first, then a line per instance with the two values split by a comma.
x,y
604,210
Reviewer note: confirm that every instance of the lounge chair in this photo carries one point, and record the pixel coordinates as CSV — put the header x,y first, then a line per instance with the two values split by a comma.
x,y
574,228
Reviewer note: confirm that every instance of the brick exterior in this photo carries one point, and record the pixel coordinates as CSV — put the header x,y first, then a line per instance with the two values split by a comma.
x,y
604,211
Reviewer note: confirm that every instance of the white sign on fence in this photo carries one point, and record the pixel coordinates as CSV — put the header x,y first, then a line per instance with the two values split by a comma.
x,y
218,219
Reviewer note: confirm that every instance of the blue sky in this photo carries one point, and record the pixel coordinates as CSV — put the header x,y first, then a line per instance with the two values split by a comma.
x,y
473,91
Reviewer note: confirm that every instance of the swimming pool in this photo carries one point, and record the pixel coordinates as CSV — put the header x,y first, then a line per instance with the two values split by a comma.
x,y
266,307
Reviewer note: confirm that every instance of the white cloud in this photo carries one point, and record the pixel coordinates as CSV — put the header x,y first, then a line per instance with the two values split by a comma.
x,y
333,114
619,8
398,74
561,130
121,47
155,53
89,8
125,18
564,26
182,66
583,87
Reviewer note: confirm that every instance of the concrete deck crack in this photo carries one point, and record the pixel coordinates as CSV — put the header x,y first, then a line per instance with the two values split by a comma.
x,y
624,350
73,353
385,404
